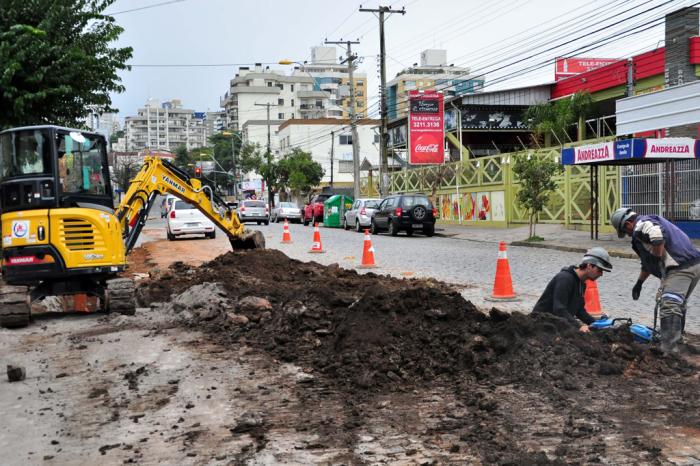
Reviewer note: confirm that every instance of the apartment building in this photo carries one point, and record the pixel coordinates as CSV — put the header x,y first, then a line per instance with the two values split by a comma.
x,y
432,73
165,126
332,77
329,141
214,122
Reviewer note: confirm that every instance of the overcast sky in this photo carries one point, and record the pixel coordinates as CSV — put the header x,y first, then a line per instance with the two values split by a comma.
x,y
482,35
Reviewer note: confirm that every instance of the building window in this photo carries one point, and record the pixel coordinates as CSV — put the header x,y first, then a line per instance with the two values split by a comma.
x,y
360,103
376,139
292,117
280,101
359,83
269,84
345,139
292,87
345,166
292,103
281,86
280,116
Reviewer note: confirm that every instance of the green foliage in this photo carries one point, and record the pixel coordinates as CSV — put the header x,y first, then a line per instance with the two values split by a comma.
x,y
250,158
114,137
558,116
57,60
298,171
182,158
536,176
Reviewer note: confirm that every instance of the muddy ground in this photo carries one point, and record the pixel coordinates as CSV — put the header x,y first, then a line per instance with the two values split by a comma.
x,y
254,358
411,356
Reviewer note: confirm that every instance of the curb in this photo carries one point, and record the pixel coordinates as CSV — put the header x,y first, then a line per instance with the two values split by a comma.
x,y
558,247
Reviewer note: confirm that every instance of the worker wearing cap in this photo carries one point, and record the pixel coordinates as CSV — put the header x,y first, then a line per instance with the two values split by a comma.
x,y
668,254
563,296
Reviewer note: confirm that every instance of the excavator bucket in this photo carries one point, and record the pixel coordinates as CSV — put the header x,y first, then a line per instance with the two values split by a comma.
x,y
249,240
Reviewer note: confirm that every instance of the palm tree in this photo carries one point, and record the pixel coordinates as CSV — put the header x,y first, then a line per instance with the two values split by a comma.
x,y
555,118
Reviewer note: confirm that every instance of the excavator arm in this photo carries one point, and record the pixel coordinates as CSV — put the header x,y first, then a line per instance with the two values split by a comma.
x,y
159,176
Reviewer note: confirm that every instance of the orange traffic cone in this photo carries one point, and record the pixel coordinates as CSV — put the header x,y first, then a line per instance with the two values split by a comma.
x,y
286,236
592,299
317,247
503,284
367,253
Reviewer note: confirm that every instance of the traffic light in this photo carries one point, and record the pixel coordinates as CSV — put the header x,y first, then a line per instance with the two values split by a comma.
x,y
197,172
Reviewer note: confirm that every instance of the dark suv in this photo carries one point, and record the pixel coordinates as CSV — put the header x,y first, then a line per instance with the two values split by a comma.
x,y
408,212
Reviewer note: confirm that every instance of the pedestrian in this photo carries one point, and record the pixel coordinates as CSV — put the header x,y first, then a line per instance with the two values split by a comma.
x,y
668,254
563,296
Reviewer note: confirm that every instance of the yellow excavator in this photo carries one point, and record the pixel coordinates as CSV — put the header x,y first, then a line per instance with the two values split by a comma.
x,y
63,238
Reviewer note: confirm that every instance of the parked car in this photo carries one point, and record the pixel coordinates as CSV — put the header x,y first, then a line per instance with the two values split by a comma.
x,y
185,219
360,215
286,210
166,204
313,211
253,211
694,210
407,212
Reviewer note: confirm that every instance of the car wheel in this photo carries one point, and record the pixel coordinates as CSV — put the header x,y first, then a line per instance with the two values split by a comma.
x,y
373,228
409,232
277,219
392,228
258,222
345,224
211,235
169,235
419,213
358,227
428,230
305,222
267,222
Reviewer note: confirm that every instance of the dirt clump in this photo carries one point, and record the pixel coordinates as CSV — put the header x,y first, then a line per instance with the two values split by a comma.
x,y
524,389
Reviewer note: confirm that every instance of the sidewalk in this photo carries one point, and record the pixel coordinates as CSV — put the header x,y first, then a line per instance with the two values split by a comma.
x,y
555,237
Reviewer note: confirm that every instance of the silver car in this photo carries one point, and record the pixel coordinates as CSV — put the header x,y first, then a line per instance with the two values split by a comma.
x,y
286,210
253,211
360,215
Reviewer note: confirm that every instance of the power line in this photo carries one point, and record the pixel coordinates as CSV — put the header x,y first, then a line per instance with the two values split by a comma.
x,y
145,7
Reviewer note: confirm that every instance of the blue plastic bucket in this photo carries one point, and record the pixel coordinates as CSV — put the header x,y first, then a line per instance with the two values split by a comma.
x,y
642,333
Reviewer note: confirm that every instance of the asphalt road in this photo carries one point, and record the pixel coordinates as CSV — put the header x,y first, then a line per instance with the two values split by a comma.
x,y
472,265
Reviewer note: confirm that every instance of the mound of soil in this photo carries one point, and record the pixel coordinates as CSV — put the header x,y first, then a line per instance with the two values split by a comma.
x,y
373,332
508,388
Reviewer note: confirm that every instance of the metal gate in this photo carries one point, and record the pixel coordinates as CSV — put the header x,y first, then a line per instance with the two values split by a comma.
x,y
670,189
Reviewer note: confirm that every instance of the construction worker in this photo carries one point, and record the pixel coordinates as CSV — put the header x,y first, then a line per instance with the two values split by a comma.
x,y
563,296
668,254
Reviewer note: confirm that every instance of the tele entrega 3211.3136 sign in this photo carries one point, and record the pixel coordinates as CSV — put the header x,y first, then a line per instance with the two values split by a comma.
x,y
426,128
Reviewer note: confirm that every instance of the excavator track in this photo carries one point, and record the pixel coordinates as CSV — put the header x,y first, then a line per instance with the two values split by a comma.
x,y
121,296
15,311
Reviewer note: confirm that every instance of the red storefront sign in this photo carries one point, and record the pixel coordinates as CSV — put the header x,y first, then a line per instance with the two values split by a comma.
x,y
572,66
426,127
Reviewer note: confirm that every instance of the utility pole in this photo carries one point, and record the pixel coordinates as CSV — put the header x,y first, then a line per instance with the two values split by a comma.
x,y
353,116
269,155
332,154
384,164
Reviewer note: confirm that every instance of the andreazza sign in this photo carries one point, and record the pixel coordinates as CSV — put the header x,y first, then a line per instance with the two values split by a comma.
x,y
631,150
594,153
426,128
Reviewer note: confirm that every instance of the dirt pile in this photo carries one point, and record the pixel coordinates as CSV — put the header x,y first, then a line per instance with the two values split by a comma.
x,y
373,332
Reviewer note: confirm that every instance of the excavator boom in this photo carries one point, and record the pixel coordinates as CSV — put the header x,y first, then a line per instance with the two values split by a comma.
x,y
158,176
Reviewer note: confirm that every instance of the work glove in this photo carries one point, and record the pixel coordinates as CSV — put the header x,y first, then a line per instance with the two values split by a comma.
x,y
637,289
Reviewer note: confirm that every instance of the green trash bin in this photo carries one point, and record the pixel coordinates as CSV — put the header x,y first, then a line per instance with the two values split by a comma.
x,y
334,209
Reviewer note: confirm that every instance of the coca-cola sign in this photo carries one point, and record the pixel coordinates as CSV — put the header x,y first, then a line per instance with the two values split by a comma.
x,y
426,128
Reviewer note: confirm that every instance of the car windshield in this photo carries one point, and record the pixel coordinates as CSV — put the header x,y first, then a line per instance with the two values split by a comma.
x,y
182,205
254,204
287,205
372,204
322,197
80,168
410,201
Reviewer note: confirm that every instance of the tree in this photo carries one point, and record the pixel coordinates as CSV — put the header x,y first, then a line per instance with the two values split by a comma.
x,y
125,168
182,158
555,118
298,172
57,63
536,183
250,158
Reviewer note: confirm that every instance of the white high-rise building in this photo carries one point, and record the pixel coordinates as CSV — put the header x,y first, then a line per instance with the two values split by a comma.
x,y
165,127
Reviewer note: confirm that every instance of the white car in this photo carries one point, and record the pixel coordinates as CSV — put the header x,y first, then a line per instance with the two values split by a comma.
x,y
286,210
185,219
